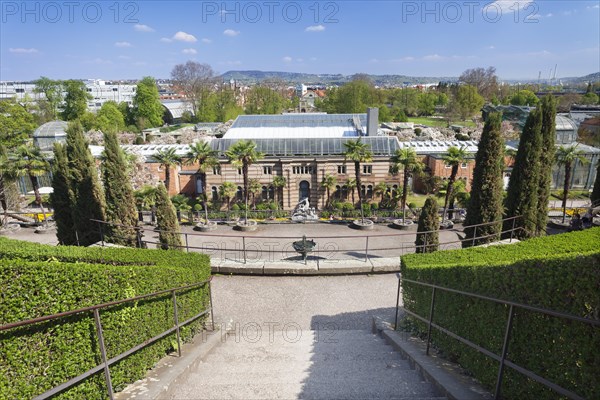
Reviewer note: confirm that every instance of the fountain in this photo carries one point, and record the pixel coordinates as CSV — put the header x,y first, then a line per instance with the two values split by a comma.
x,y
303,247
304,212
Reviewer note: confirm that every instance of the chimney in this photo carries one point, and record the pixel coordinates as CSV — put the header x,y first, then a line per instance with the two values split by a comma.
x,y
372,121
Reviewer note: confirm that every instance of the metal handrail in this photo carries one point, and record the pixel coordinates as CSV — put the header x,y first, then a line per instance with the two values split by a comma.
x,y
243,250
106,363
502,357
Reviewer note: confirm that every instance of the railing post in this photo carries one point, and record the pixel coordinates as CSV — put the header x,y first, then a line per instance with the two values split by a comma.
x,y
512,231
187,246
176,317
474,235
367,250
504,352
103,353
430,321
244,247
101,233
397,306
212,314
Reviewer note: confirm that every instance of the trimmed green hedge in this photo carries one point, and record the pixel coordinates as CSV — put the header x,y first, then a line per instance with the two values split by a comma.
x,y
38,280
560,272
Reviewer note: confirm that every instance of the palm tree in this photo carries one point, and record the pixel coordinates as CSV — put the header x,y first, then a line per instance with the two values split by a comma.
x,y
254,187
27,160
227,191
454,158
358,152
567,157
329,181
167,158
381,189
407,160
205,157
350,186
279,183
243,154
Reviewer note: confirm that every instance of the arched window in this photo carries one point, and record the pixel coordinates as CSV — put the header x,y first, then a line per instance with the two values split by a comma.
x,y
271,195
215,193
239,195
369,191
304,190
264,193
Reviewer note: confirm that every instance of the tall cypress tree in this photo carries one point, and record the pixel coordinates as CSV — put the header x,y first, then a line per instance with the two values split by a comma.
x,y
548,149
485,204
166,221
428,222
88,199
120,202
521,199
62,197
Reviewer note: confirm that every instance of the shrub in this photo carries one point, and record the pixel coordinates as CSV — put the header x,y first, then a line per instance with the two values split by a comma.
x,y
559,272
39,280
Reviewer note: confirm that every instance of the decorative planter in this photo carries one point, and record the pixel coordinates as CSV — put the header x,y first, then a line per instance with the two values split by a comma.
x,y
404,226
363,224
246,225
9,228
205,227
42,229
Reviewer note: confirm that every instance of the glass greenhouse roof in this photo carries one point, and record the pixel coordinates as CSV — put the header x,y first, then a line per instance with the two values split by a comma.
x,y
51,129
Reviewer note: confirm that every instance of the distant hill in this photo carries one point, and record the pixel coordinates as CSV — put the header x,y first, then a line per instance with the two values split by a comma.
x,y
328,79
595,77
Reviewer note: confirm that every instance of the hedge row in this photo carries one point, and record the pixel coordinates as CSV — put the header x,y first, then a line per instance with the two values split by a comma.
x,y
39,280
560,273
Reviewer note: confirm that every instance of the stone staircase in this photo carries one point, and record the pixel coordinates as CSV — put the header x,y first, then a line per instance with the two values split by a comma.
x,y
292,364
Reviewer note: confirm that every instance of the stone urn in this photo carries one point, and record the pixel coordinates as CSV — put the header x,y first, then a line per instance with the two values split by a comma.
x,y
403,225
246,225
205,226
363,224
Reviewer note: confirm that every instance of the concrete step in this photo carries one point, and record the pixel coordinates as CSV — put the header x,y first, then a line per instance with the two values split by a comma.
x,y
261,355
349,389
278,370
250,336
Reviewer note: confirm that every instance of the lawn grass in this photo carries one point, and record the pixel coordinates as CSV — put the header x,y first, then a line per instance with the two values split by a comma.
x,y
439,122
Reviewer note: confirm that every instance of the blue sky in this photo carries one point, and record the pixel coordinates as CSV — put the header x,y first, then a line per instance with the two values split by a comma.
x,y
132,39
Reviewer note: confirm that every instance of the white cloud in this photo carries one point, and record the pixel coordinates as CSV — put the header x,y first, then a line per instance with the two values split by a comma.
x,y
373,61
124,58
300,60
313,59
543,53
142,28
20,50
184,37
166,40
189,51
433,57
230,32
123,44
287,59
507,6
594,7
550,14
491,47
99,61
315,28
206,41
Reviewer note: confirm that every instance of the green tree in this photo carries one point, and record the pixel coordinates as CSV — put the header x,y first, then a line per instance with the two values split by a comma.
x,y
195,80
8,188
407,161
61,198
567,157
147,109
595,196
169,235
16,124
524,98
201,153
167,158
485,204
427,231
121,209
279,183
76,99
547,151
381,189
255,188
524,180
226,106
358,152
329,181
454,158
226,191
109,118
88,198
53,93
264,100
467,101
485,80
242,154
